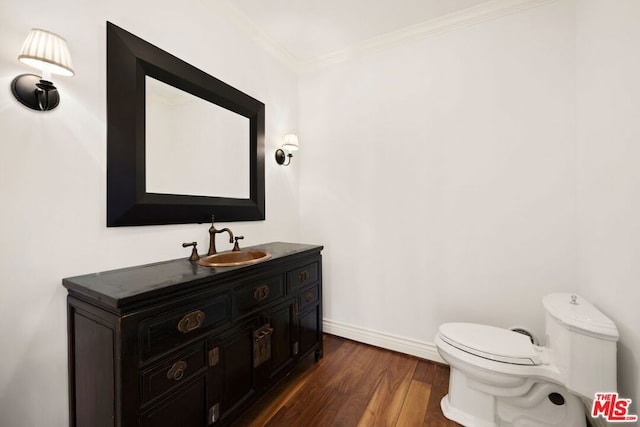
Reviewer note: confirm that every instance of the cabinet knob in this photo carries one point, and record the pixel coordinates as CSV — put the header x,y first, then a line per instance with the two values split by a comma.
x,y
176,372
261,292
191,321
303,276
308,297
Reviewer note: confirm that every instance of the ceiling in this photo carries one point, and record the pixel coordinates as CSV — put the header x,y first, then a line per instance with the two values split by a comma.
x,y
309,29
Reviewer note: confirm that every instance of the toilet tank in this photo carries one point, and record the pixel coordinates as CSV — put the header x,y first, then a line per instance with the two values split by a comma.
x,y
583,342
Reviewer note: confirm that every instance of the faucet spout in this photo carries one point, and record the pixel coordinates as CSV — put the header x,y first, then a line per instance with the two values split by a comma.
x,y
212,236
228,231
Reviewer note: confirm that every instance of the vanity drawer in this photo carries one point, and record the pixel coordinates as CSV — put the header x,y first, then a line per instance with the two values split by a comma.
x,y
164,332
173,372
258,293
308,298
302,276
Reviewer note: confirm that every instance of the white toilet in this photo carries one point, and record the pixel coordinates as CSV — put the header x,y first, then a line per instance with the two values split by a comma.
x,y
499,378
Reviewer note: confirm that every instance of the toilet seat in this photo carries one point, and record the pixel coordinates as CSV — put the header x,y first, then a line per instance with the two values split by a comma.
x,y
490,342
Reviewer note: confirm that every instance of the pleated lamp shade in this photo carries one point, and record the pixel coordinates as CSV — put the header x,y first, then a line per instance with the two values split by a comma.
x,y
291,142
48,52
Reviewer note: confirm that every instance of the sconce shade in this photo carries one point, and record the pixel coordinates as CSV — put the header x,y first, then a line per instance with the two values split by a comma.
x,y
48,52
290,142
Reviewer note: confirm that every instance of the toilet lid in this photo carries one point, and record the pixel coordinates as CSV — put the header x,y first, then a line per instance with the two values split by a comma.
x,y
489,342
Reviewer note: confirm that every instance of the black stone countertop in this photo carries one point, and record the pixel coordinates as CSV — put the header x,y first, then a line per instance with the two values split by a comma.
x,y
127,286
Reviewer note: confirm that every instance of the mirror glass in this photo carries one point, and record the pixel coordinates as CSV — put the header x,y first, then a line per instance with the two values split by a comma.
x,y
193,147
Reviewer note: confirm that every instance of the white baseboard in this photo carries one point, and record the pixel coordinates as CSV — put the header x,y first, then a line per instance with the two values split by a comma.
x,y
421,349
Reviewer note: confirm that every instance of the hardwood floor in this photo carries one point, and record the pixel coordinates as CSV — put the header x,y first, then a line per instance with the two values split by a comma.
x,y
356,385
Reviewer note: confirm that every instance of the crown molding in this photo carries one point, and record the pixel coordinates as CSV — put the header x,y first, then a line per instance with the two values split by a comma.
x,y
241,20
483,12
451,22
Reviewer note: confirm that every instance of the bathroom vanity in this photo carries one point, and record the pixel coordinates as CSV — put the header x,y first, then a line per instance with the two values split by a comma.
x,y
178,344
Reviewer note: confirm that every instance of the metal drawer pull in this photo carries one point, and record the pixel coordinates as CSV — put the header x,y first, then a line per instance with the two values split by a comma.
x,y
303,276
214,356
262,345
191,321
261,292
214,413
263,333
176,372
308,296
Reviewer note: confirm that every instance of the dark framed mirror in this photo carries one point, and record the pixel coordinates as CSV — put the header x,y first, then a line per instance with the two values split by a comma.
x,y
181,144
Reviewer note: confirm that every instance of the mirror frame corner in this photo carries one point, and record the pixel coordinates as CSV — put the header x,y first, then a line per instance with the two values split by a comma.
x,y
129,60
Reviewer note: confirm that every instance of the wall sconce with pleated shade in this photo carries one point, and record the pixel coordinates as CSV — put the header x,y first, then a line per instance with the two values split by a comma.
x,y
290,144
49,53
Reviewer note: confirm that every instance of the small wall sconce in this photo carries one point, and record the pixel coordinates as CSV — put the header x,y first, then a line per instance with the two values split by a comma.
x,y
48,52
290,144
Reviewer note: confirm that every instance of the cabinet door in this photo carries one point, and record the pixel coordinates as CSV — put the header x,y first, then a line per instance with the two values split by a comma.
x,y
185,408
309,322
282,338
233,378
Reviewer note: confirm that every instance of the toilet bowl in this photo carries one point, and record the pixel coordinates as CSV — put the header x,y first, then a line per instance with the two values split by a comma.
x,y
500,378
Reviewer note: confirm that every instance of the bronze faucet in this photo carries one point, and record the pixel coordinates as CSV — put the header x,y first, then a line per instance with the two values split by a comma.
x,y
194,253
236,247
212,236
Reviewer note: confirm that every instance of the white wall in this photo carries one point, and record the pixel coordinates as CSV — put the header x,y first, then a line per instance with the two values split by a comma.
x,y
464,176
52,178
459,177
608,135
440,175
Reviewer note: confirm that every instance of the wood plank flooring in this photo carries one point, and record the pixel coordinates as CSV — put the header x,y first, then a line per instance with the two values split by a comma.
x,y
356,385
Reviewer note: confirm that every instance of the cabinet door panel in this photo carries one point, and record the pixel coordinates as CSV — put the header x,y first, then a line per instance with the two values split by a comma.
x,y
304,275
236,369
251,296
185,408
281,320
169,330
173,371
309,297
309,330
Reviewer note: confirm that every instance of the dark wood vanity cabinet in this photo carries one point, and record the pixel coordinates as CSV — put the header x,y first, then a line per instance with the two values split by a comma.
x,y
177,344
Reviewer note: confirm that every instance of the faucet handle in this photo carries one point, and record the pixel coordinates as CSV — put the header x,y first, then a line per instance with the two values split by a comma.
x,y
236,247
194,253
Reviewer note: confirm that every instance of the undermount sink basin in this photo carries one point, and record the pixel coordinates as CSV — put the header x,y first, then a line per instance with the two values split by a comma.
x,y
232,259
